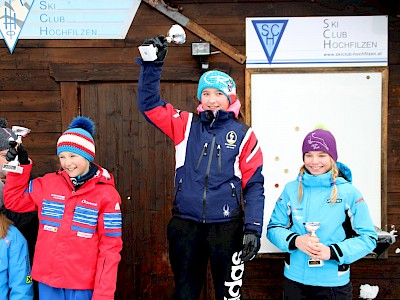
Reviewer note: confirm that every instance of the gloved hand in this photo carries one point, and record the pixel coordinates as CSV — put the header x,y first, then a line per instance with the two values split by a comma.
x,y
15,150
160,42
251,245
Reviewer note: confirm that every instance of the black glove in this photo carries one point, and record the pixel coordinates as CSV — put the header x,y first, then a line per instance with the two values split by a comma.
x,y
251,245
160,42
20,151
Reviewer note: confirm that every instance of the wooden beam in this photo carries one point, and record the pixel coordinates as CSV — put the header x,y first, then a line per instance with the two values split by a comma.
x,y
198,30
85,72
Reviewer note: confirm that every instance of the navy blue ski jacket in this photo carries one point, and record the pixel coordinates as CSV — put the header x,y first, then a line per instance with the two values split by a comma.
x,y
218,158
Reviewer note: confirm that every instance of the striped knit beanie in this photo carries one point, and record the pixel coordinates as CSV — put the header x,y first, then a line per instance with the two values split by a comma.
x,y
78,138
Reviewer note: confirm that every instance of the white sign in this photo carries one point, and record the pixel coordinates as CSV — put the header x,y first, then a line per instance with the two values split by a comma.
x,y
317,42
286,106
60,19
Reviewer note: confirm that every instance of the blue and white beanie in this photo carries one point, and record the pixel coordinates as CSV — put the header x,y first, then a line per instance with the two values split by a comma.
x,y
220,81
78,138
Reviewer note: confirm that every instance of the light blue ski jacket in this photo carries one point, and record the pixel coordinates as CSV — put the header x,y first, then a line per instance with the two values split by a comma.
x,y
288,218
15,269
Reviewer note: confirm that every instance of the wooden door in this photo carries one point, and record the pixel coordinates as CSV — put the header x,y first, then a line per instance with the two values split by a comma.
x,y
142,160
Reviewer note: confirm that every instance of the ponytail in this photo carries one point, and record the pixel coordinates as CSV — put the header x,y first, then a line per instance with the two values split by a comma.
x,y
335,173
300,196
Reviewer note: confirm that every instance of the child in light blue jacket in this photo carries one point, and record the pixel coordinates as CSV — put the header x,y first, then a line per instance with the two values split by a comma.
x,y
318,267
15,269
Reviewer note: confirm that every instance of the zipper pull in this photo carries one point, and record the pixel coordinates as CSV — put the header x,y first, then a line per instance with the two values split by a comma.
x,y
203,153
218,150
180,185
233,189
205,149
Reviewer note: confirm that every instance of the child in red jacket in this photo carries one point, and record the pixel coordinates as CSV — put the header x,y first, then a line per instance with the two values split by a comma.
x,y
80,225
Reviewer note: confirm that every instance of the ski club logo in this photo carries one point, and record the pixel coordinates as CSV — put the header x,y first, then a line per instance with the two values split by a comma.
x,y
231,137
13,14
269,33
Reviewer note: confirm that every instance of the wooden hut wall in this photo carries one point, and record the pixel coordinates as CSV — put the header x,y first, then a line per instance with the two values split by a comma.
x,y
45,83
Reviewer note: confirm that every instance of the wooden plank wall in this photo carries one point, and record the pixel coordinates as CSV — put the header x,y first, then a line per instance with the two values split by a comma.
x,y
42,84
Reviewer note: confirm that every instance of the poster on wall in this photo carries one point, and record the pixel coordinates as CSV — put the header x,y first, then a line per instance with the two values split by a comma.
x,y
347,41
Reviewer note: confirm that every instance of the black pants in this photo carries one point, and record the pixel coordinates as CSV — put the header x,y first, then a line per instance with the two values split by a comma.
x,y
293,290
191,244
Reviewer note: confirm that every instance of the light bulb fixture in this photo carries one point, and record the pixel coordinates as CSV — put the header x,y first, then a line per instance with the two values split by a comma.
x,y
202,50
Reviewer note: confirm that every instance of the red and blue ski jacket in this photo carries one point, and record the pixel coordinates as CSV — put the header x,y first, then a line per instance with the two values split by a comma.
x,y
80,231
218,158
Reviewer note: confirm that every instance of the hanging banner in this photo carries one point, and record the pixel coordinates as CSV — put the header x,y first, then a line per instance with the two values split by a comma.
x,y
317,42
61,19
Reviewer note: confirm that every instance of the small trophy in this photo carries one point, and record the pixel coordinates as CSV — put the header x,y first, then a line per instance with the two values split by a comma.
x,y
13,166
176,34
312,227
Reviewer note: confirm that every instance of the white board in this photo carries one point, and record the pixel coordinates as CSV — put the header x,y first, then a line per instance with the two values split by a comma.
x,y
285,107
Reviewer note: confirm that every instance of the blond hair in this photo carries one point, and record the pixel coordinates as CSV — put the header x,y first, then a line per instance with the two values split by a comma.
x,y
4,225
334,192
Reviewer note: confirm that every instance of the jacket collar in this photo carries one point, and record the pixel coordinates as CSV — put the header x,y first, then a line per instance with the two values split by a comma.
x,y
323,179
102,176
207,116
234,107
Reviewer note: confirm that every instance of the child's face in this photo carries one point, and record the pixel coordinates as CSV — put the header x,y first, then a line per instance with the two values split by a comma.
x,y
213,99
74,164
317,162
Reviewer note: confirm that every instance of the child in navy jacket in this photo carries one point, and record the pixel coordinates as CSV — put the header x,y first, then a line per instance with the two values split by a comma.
x,y
218,159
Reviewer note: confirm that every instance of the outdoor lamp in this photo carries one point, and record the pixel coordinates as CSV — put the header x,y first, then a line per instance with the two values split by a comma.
x,y
202,50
